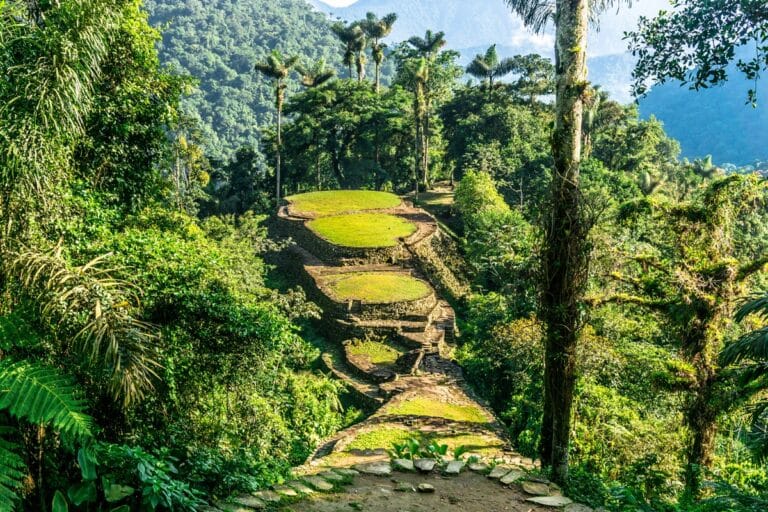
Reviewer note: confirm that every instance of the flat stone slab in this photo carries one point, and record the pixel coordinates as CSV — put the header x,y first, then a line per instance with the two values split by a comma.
x,y
405,487
536,488
284,490
578,507
512,476
250,502
499,471
232,507
425,465
346,472
332,476
318,483
551,501
426,488
375,468
454,467
271,497
300,487
403,464
479,467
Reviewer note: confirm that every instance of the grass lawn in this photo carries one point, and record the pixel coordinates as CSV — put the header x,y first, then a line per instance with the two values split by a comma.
x,y
433,408
339,201
377,353
376,287
384,437
366,230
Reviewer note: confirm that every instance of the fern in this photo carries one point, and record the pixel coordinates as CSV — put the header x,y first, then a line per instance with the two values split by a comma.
x,y
12,470
41,395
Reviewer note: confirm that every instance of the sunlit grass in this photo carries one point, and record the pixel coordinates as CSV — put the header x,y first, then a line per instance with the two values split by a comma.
x,y
433,408
339,201
380,438
376,287
364,230
374,351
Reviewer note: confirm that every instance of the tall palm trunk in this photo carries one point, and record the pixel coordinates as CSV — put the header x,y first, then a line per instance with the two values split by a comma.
x,y
280,98
377,67
565,252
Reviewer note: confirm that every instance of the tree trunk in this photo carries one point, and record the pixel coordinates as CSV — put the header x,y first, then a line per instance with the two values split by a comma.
x,y
702,413
279,145
702,422
565,254
378,76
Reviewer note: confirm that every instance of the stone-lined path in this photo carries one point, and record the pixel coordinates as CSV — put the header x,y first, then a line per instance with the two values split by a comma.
x,y
396,357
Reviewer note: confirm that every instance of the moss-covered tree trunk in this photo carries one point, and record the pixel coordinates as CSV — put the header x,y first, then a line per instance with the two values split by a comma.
x,y
703,345
565,251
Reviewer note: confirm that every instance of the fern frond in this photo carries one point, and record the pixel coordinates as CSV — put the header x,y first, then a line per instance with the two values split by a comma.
x,y
99,308
41,395
12,470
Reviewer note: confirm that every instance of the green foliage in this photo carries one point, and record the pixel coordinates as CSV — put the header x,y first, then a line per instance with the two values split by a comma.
x,y
12,468
414,448
42,396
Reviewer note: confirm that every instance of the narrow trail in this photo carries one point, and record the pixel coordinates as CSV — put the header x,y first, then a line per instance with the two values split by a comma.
x,y
394,354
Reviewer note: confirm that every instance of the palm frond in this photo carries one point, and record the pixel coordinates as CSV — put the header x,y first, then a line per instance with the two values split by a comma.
x,y
536,14
12,470
98,309
753,346
756,306
478,68
41,395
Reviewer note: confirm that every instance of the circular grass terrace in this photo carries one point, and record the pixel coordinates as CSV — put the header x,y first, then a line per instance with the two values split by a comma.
x,y
376,287
362,230
333,202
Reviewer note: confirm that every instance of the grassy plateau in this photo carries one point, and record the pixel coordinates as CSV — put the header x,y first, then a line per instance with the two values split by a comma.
x,y
363,230
333,202
376,287
374,351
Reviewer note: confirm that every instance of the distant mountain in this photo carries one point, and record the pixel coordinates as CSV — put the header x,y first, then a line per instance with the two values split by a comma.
x,y
714,121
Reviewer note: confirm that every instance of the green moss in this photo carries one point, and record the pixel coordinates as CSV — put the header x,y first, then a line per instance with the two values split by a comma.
x,y
376,287
340,201
366,230
384,438
434,408
377,353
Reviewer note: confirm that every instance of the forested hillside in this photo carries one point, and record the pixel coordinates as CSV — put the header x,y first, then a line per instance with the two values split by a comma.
x,y
717,125
218,42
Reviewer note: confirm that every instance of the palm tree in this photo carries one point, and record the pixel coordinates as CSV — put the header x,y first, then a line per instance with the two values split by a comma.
x,y
277,68
566,251
428,47
315,75
488,67
354,41
377,29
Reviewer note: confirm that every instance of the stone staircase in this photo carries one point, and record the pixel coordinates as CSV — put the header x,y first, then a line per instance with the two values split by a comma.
x,y
420,394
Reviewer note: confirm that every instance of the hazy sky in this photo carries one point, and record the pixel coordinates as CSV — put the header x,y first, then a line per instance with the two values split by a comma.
x,y
645,7
339,3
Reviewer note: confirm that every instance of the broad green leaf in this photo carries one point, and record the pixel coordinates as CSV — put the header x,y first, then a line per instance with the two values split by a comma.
x,y
84,492
116,492
87,464
59,503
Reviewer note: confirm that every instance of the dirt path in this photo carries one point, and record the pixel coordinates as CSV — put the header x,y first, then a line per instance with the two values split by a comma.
x,y
469,492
